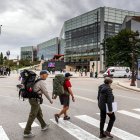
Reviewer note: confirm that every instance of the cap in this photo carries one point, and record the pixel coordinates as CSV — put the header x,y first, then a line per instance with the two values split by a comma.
x,y
68,75
108,80
44,72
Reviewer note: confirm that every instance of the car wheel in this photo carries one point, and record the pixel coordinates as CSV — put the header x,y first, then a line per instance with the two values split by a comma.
x,y
125,76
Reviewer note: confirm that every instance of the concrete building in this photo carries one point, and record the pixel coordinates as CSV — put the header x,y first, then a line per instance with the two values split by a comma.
x,y
84,34
28,53
48,49
132,23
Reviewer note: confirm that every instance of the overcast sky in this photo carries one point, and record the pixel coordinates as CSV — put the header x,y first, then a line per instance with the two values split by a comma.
x,y
30,22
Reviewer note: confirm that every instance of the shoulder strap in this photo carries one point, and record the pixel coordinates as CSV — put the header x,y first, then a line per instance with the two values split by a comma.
x,y
36,82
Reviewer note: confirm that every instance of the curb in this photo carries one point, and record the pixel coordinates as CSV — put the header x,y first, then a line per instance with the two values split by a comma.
x,y
130,88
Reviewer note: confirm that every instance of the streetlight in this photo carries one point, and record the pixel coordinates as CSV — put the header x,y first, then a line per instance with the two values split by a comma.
x,y
133,39
8,54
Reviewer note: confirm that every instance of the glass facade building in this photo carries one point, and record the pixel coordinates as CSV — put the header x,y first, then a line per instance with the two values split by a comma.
x,y
84,34
28,53
48,49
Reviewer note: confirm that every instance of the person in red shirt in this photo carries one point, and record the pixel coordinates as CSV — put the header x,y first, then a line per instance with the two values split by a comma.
x,y
108,72
65,99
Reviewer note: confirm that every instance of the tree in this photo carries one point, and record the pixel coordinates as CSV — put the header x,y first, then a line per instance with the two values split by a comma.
x,y
118,49
24,62
123,50
9,63
5,58
1,58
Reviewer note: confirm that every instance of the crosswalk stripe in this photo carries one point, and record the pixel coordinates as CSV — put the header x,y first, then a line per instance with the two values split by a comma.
x,y
74,130
115,131
23,124
134,115
137,109
3,135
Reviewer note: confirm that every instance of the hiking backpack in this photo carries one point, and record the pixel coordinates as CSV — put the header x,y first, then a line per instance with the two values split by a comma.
x,y
29,79
58,85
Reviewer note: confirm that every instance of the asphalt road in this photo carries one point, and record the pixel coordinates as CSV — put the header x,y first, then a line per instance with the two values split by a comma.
x,y
84,123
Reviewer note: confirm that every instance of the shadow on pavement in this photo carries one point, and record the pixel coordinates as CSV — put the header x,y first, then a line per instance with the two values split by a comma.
x,y
2,77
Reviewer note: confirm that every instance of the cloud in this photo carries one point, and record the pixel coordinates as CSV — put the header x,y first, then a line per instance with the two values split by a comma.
x,y
30,22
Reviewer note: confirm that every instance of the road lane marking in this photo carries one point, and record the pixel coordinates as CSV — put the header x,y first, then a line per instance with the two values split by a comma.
x,y
74,130
83,98
3,135
137,109
87,99
115,131
51,107
128,97
115,93
134,115
23,125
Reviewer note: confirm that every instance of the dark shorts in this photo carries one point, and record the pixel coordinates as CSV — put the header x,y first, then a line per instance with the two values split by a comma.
x,y
64,100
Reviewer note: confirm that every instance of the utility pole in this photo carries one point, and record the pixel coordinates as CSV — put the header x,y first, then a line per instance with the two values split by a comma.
x,y
97,43
105,54
0,29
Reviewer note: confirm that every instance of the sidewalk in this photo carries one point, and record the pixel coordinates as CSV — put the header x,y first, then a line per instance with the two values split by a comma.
x,y
126,84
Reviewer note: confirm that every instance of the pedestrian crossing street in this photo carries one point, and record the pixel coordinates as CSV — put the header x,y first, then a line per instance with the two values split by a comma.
x,y
81,134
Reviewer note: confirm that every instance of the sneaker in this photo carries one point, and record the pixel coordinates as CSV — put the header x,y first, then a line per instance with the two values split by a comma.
x,y
30,135
108,134
66,118
45,128
56,117
102,135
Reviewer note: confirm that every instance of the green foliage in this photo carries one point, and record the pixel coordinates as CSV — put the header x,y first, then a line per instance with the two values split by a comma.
x,y
9,63
118,49
1,58
26,63
5,58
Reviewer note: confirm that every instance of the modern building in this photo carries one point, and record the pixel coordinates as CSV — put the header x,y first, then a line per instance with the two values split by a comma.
x,y
132,23
84,34
62,42
48,49
29,53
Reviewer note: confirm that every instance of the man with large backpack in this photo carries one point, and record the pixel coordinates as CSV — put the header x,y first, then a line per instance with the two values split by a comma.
x,y
64,94
36,112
